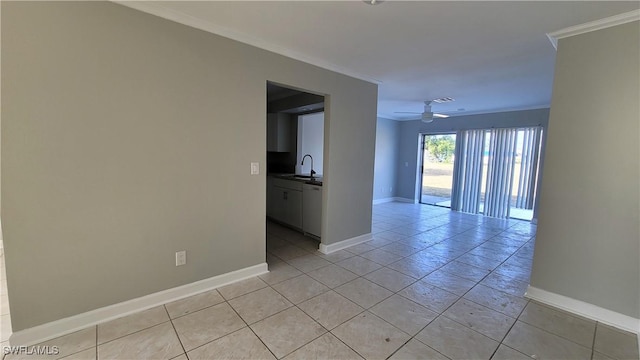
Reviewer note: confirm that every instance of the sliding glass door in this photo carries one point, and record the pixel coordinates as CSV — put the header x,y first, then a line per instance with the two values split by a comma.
x,y
496,172
438,155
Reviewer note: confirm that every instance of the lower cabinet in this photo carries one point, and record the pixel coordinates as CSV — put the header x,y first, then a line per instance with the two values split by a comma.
x,y
312,209
284,202
295,204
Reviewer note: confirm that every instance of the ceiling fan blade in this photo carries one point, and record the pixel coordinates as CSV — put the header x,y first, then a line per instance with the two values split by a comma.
x,y
441,116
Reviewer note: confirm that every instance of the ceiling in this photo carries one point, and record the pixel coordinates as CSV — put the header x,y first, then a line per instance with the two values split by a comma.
x,y
488,56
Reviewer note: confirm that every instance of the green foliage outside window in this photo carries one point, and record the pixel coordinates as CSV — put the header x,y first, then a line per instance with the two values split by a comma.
x,y
440,148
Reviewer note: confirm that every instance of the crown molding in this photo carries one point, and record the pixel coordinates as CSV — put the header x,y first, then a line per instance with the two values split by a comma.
x,y
200,24
593,26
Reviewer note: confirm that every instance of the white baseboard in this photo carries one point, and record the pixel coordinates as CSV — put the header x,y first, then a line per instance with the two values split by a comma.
x,y
54,329
393,199
383,200
584,309
328,249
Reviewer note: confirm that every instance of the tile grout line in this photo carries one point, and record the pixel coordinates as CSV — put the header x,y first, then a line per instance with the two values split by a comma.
x,y
449,261
175,331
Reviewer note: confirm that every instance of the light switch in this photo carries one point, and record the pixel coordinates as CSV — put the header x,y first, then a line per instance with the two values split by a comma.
x,y
255,168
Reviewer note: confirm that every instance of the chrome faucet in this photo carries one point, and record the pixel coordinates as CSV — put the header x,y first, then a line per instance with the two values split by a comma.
x,y
312,171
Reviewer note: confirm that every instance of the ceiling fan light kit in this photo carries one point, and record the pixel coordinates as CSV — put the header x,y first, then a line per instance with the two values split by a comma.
x,y
373,2
427,115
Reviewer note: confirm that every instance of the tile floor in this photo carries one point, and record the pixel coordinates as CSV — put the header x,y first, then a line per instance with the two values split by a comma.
x,y
433,284
5,319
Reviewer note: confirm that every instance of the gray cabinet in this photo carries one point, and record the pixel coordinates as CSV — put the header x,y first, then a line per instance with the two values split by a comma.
x,y
312,209
284,201
278,132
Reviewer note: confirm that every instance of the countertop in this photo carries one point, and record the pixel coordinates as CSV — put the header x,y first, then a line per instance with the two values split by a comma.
x,y
300,178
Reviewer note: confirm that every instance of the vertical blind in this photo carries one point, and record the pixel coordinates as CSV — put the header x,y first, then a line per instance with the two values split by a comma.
x,y
529,168
502,151
467,173
497,149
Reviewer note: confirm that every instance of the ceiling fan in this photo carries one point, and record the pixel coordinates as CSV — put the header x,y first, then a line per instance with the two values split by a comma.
x,y
427,115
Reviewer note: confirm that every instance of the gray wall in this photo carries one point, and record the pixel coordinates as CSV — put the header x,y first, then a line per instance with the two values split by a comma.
x,y
126,138
387,146
408,166
587,245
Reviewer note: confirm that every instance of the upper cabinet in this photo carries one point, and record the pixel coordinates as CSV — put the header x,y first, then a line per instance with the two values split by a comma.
x,y
278,132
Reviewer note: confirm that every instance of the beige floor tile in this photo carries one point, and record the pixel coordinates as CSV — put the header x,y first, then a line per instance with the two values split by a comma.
x,y
300,288
456,341
242,344
193,303
129,324
279,272
89,354
505,284
430,296
506,353
359,266
390,279
400,249
72,346
465,271
360,248
376,243
205,325
479,261
513,271
415,350
533,341
481,319
497,300
308,262
404,314
363,292
74,342
370,336
158,342
4,305
311,245
449,282
289,252
326,347
389,235
332,275
181,357
330,309
557,322
381,257
5,327
337,256
616,343
272,259
240,288
287,331
259,304
274,242
414,268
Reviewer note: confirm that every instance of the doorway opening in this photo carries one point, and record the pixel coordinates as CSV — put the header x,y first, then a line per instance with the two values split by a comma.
x,y
295,123
438,157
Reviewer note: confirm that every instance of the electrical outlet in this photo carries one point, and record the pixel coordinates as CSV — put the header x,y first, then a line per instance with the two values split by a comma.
x,y
255,168
181,257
